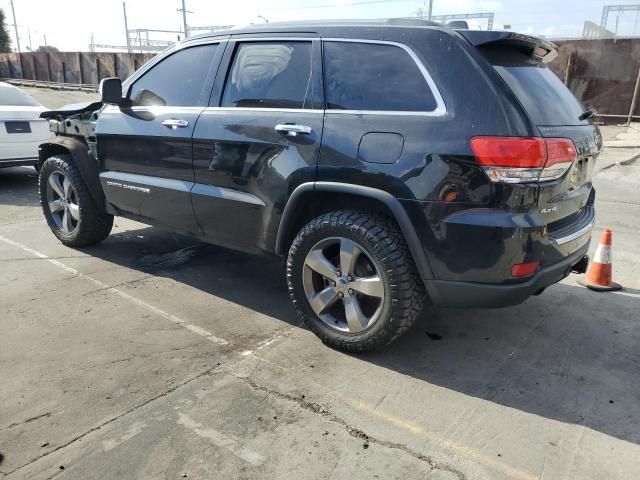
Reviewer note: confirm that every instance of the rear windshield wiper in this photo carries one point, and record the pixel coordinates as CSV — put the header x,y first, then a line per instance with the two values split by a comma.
x,y
590,112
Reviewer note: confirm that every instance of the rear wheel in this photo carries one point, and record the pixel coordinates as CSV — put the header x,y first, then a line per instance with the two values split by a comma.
x,y
70,210
353,281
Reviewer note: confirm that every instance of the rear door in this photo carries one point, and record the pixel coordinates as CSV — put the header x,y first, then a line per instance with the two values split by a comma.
x,y
145,148
259,139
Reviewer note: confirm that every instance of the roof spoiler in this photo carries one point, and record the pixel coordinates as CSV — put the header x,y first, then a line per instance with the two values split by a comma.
x,y
542,50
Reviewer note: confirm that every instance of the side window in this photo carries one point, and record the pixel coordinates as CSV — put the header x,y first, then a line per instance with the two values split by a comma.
x,y
370,76
176,81
270,75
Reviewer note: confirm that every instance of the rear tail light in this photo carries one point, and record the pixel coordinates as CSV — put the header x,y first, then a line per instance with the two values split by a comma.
x,y
524,159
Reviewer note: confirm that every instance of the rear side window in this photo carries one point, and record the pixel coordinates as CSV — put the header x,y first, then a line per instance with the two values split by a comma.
x,y
371,76
542,94
270,75
177,81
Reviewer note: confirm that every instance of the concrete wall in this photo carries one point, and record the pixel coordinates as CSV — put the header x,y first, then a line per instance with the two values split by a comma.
x,y
601,73
70,67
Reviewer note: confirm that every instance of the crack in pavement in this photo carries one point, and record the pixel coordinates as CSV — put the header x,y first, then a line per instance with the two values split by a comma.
x,y
129,282
624,163
113,419
28,420
354,432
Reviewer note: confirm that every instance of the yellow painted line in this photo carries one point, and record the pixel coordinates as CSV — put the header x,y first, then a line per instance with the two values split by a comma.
x,y
445,443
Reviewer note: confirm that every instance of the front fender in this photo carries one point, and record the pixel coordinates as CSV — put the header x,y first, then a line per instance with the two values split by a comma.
x,y
87,164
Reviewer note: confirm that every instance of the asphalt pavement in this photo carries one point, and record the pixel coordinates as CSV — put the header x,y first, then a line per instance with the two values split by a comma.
x,y
153,355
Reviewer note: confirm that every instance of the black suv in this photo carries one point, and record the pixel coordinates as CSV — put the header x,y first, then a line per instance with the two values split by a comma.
x,y
389,162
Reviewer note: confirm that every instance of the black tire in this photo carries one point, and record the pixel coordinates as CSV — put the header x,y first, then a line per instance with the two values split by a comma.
x,y
93,225
385,247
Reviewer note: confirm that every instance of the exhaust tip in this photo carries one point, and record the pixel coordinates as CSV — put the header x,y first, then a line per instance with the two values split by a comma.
x,y
581,266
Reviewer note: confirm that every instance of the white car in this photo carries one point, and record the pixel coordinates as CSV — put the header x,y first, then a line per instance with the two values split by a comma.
x,y
21,128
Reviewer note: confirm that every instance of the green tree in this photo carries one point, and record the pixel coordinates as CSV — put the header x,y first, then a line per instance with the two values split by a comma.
x,y
47,48
5,39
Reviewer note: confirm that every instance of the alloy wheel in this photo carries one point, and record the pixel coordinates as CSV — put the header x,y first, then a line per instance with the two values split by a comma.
x,y
63,202
343,285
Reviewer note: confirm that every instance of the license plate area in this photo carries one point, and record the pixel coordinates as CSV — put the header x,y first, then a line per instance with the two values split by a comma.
x,y
17,127
580,172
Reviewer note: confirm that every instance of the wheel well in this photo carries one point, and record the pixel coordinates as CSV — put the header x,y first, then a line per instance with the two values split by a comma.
x,y
314,203
49,149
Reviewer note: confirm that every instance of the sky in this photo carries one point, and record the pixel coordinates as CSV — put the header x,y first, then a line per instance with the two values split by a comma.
x,y
71,29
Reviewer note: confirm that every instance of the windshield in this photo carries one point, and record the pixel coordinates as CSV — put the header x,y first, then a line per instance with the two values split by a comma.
x,y
12,96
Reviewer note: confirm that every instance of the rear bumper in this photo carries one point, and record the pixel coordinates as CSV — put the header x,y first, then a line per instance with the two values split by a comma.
x,y
17,162
457,294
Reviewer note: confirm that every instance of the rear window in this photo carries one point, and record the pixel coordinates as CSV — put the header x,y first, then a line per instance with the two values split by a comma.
x,y
14,97
543,95
371,76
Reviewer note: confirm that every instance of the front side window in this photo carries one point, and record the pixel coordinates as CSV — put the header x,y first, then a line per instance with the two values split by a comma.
x,y
270,75
372,76
176,81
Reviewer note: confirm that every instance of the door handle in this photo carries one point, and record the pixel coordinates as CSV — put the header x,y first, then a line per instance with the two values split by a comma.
x,y
174,123
292,129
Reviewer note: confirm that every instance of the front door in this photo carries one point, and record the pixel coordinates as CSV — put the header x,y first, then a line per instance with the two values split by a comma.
x,y
258,140
145,148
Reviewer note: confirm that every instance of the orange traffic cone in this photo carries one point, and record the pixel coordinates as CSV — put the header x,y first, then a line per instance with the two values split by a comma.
x,y
599,274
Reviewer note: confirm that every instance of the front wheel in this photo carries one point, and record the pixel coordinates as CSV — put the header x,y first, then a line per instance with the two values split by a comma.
x,y
69,209
353,281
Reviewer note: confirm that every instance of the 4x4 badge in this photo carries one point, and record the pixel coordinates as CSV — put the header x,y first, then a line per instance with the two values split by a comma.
x,y
544,211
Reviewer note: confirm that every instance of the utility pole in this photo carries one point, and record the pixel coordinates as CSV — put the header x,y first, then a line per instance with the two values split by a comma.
x,y
430,9
184,19
126,26
15,24
29,33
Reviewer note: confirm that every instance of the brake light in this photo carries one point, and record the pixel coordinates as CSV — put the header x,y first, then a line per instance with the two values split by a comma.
x,y
524,269
524,159
561,153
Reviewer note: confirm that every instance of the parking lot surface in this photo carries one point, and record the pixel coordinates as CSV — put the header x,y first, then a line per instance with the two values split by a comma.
x,y
154,356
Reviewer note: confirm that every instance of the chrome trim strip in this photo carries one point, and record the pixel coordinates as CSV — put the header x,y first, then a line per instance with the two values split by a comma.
x,y
183,186
226,193
145,67
577,234
247,37
440,109
434,113
168,183
260,109
155,109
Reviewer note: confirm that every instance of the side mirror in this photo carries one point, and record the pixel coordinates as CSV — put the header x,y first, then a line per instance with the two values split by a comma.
x,y
111,91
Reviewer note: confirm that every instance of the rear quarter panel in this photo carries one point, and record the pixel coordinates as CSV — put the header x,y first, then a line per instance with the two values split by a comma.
x,y
436,174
